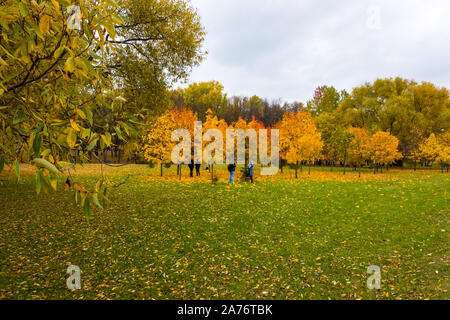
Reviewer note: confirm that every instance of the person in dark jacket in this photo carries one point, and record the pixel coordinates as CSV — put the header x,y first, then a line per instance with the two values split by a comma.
x,y
191,168
197,169
231,170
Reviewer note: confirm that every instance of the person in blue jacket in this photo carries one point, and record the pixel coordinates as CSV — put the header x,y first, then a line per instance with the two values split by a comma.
x,y
250,171
231,170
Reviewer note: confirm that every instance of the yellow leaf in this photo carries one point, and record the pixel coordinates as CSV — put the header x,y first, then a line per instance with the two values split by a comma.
x,y
81,114
55,4
44,24
72,138
69,66
107,139
74,125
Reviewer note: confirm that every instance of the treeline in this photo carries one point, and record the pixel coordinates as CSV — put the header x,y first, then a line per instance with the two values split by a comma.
x,y
301,143
403,108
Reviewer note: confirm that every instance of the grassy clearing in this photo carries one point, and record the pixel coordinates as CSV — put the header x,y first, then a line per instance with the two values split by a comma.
x,y
276,239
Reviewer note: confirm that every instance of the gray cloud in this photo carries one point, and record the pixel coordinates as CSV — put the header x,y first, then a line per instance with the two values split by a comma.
x,y
286,48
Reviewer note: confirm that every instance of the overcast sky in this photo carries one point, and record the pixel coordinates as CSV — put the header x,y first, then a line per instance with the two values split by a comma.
x,y
286,48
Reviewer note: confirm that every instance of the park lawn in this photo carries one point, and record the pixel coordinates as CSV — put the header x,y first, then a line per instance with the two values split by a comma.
x,y
280,238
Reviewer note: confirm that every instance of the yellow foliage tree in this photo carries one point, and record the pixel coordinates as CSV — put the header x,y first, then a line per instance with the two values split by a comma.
x,y
358,150
429,149
157,142
444,150
299,139
184,119
213,122
383,149
311,146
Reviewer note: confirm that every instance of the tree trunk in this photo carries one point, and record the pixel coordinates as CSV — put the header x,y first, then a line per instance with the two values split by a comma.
x,y
359,170
309,169
180,173
415,165
344,166
161,169
296,168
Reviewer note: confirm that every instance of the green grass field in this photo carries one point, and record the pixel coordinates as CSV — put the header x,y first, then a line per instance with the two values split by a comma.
x,y
280,238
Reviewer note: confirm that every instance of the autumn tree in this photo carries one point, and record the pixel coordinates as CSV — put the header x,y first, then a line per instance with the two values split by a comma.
x,y
339,144
326,99
184,119
358,149
444,150
383,149
54,87
311,147
326,124
429,149
404,108
157,142
204,96
63,68
157,46
299,139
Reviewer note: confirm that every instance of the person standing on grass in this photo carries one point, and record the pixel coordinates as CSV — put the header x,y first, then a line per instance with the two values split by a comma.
x,y
197,169
191,168
250,170
231,170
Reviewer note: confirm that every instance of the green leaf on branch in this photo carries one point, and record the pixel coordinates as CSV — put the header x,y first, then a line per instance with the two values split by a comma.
x,y
23,9
119,133
37,143
89,115
95,199
92,144
42,163
45,153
